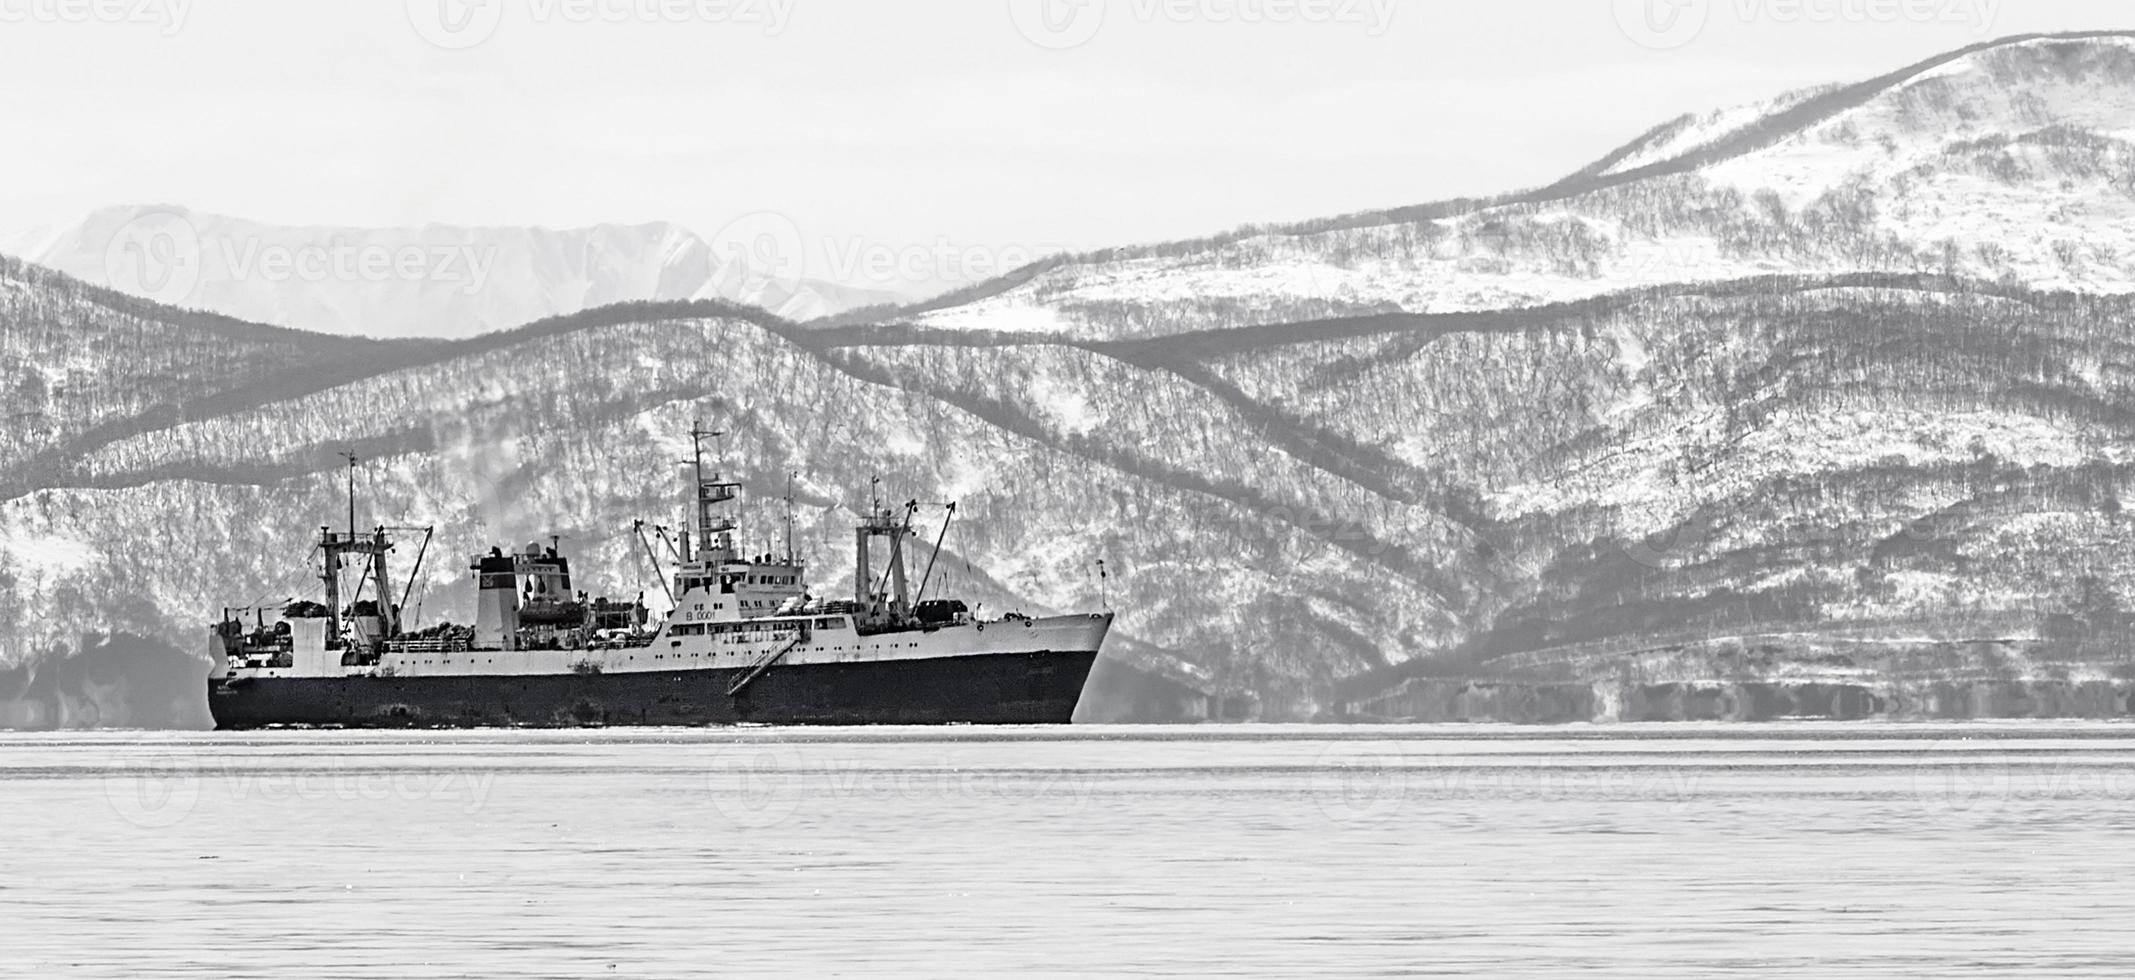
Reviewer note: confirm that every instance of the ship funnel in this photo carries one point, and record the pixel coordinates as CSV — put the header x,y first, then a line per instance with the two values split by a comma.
x,y
496,613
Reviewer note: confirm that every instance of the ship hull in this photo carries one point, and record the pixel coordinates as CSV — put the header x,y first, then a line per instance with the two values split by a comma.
x,y
1040,688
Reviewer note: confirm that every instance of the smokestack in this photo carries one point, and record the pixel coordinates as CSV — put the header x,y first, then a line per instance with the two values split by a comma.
x,y
496,613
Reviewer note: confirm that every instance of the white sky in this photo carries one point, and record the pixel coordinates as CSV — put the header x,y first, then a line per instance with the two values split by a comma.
x,y
884,123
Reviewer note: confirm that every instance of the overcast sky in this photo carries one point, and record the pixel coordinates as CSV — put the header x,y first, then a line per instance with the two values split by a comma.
x,y
994,124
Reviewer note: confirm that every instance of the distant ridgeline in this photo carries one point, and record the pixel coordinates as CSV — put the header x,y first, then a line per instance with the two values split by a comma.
x,y
1821,408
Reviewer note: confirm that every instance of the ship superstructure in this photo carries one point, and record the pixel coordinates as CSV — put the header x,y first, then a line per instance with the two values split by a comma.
x,y
744,641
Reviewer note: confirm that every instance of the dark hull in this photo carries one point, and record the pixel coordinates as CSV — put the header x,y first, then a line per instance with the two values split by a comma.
x,y
1000,689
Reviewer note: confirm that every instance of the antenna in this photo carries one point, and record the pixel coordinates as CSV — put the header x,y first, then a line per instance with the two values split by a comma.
x,y
790,475
689,519
696,446
352,461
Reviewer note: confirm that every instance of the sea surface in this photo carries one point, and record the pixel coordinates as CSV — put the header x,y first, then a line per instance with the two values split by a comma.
x,y
1671,851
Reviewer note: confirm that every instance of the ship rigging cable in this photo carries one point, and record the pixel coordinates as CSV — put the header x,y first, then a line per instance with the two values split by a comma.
x,y
288,581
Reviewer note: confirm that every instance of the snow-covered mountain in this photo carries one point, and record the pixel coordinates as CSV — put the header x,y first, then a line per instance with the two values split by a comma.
x,y
1861,446
2011,161
435,281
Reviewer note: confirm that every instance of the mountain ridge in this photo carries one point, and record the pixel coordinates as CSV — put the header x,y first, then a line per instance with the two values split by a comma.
x,y
1831,100
1639,478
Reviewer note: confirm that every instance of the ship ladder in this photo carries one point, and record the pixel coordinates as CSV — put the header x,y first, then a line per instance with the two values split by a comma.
x,y
764,664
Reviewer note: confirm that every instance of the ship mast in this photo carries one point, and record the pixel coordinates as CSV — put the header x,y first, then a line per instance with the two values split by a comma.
x,y
352,461
714,533
372,547
701,516
790,475
894,603
331,557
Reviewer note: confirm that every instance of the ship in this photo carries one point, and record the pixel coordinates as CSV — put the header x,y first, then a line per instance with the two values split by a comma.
x,y
743,640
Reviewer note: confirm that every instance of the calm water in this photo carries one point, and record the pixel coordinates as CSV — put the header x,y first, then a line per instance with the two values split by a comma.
x,y
1989,850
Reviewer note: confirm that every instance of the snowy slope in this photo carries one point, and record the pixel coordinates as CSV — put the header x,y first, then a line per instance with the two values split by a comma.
x,y
1893,432
2010,162
1693,132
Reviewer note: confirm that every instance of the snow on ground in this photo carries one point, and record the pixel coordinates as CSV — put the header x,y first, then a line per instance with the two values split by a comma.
x,y
1896,147
1065,405
1646,482
969,471
1902,128
1306,277
42,558
1709,128
1015,311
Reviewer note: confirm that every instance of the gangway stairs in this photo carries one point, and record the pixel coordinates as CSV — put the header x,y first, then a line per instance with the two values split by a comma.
x,y
764,663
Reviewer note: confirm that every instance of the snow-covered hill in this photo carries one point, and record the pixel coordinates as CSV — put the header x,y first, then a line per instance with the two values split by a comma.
x,y
2008,162
1869,427
434,281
